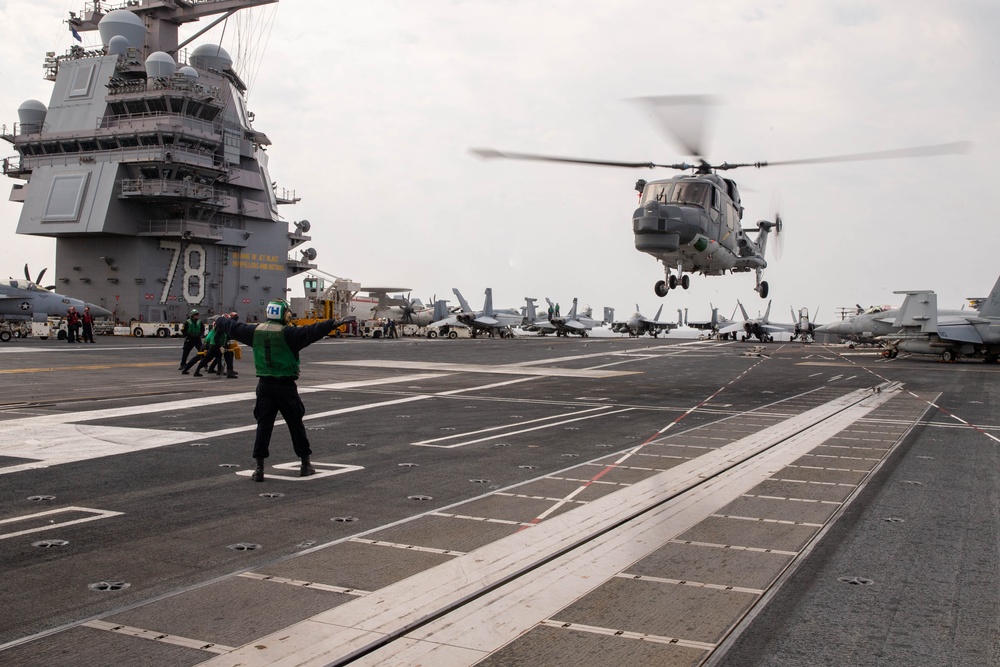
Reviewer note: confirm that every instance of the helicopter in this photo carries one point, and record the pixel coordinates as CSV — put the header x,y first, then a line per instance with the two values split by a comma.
x,y
692,222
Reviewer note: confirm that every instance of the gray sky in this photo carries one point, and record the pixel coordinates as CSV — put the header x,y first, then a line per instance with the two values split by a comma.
x,y
372,107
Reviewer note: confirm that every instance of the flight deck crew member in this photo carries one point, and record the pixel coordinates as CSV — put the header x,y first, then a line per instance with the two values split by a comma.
x,y
276,347
193,331
88,326
215,343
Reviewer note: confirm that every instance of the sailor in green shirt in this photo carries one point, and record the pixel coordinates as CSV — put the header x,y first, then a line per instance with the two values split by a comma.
x,y
276,348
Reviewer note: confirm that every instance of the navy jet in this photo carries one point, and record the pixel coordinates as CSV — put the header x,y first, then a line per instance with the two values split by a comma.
x,y
571,323
488,320
712,326
27,300
922,329
760,328
639,324
805,329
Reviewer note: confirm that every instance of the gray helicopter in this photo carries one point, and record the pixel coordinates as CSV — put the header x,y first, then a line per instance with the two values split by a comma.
x,y
693,222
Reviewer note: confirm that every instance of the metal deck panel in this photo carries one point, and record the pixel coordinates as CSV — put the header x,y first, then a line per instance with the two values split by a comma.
x,y
711,565
652,607
780,510
231,612
86,647
743,533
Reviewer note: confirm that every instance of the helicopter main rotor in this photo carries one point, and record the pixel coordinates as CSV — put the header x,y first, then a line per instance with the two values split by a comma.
x,y
683,117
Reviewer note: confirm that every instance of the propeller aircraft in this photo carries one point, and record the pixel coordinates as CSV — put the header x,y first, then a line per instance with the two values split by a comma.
x,y
692,222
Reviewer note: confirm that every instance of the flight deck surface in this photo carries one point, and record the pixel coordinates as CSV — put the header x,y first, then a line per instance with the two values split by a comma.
x,y
502,502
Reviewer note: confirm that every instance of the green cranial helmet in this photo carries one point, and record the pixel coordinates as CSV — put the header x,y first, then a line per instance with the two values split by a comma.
x,y
194,313
279,311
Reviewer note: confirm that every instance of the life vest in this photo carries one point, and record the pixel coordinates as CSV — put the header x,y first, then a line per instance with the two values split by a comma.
x,y
271,355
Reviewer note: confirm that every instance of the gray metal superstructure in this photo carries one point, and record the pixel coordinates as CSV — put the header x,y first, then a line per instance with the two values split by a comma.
x,y
146,169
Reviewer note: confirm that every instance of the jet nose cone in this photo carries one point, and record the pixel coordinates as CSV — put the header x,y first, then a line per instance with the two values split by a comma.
x,y
832,328
97,311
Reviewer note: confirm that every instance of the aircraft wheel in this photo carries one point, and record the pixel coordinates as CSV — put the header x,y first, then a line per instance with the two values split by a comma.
x,y
763,289
5,336
660,288
432,334
673,281
948,356
894,354
453,334
584,334
685,282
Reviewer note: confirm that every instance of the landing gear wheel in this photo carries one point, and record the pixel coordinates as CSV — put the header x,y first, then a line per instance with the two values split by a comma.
x,y
685,281
763,290
894,354
660,288
948,356
672,282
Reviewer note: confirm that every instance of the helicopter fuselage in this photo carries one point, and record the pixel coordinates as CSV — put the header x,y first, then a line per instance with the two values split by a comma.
x,y
692,222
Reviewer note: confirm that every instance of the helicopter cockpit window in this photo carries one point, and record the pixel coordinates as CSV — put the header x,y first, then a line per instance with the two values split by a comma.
x,y
659,192
699,194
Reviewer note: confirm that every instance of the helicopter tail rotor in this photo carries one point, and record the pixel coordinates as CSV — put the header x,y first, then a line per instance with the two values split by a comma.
x,y
779,235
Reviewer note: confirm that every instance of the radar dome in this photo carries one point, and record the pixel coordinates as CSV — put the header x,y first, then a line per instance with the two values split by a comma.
x,y
31,114
125,23
188,71
160,65
117,45
211,56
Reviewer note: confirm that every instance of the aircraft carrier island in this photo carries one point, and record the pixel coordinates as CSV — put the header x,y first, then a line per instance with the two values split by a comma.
x,y
147,170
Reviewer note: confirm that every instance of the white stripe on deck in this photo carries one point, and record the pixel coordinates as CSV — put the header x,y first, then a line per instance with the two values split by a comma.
x,y
506,369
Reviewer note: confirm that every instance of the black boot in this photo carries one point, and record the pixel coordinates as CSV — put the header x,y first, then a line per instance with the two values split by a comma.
x,y
307,468
258,474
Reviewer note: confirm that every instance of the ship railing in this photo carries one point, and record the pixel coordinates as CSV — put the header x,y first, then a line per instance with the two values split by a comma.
x,y
185,229
127,155
285,196
160,119
13,165
186,189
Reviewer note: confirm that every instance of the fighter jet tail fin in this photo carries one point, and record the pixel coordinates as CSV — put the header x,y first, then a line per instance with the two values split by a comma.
x,y
656,318
572,311
461,300
530,313
488,303
609,315
919,310
991,304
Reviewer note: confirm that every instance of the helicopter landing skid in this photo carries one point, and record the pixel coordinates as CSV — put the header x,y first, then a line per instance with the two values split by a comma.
x,y
672,281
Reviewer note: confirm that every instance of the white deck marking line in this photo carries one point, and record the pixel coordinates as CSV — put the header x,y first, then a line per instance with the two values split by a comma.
x,y
497,428
784,522
695,584
508,434
447,367
735,547
530,497
794,500
655,639
323,470
357,592
482,519
408,547
98,514
162,637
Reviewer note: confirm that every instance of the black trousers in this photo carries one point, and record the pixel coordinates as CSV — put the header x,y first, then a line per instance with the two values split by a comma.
x,y
274,396
190,343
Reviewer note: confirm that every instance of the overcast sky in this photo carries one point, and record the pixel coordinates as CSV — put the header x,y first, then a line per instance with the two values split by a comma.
x,y
372,107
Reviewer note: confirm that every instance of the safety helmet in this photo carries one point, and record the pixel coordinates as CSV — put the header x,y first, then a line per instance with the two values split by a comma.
x,y
194,313
279,311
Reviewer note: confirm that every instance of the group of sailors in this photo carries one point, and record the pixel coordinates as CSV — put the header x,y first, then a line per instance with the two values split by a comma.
x,y
214,350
